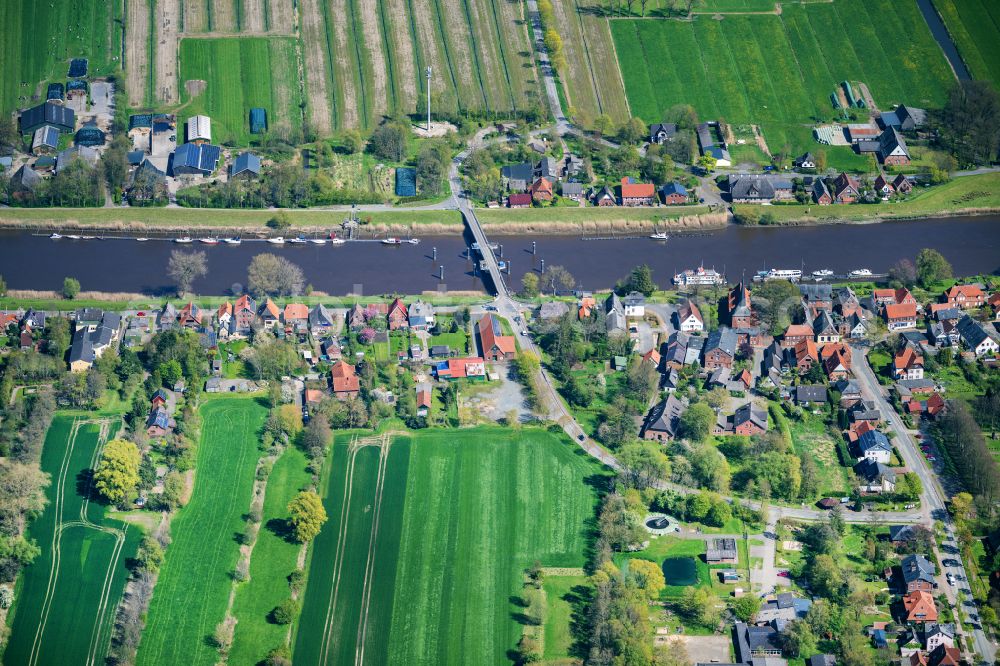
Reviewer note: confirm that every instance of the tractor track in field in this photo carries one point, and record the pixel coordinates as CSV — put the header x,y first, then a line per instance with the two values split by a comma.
x,y
84,521
366,594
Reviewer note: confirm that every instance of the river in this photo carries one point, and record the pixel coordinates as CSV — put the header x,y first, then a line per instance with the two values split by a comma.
x,y
971,244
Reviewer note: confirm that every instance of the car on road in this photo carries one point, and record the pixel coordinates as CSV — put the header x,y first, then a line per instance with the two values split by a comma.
x,y
950,579
581,437
950,562
490,308
784,574
931,459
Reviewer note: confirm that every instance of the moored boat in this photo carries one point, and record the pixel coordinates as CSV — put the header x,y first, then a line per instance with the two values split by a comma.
x,y
659,235
318,241
183,239
232,241
300,240
699,276
336,241
391,241
142,239
824,272
55,236
210,240
861,272
279,240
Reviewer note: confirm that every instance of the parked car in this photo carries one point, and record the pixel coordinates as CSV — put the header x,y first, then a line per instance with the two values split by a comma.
x,y
949,562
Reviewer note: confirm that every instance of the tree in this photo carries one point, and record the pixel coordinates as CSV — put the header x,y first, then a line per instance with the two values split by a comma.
x,y
820,161
280,222
389,142
352,141
186,267
640,280
432,167
932,267
603,124
557,279
634,131
696,422
149,556
904,273
529,285
271,275
798,639
698,604
644,463
3,286
307,515
969,124
648,576
71,287
707,163
745,607
717,398
117,473
285,612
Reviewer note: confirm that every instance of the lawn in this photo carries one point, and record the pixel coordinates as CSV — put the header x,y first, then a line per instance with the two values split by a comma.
x,y
38,39
565,596
974,26
779,71
968,194
519,219
274,558
451,521
667,546
457,341
195,580
240,74
68,596
811,438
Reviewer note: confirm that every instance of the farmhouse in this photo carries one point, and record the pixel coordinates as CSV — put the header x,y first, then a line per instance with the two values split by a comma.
x,y
70,155
755,188
660,132
892,148
58,116
860,132
199,129
518,176
195,159
637,194
542,190
494,345
903,118
605,197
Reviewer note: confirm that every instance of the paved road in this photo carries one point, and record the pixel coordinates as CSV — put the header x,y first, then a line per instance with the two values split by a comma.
x,y
933,498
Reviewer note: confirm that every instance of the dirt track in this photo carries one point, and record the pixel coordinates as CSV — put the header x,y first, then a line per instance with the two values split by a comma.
x,y
314,48
168,13
136,51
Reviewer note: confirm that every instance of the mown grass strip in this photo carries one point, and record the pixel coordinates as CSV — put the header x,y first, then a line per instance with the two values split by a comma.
x,y
192,592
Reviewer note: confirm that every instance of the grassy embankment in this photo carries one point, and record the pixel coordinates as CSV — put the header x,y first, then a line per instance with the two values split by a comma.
x,y
192,592
459,517
962,196
560,220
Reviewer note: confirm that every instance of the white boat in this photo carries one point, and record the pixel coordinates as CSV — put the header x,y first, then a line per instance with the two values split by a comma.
x,y
86,238
211,240
232,241
142,239
412,241
391,241
790,274
861,272
659,235
72,237
55,236
337,241
824,272
699,276
276,241
183,239
318,241
301,240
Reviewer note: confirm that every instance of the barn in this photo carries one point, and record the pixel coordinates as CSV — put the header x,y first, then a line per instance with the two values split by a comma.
x,y
258,120
48,113
195,158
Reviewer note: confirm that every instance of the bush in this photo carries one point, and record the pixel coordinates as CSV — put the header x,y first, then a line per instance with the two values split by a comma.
x,y
285,612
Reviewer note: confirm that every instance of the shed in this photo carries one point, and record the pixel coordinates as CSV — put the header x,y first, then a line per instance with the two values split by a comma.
x,y
199,128
78,86
44,140
406,182
246,165
258,120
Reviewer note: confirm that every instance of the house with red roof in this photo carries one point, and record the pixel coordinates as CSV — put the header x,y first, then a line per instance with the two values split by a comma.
x,y
461,368
907,364
519,200
492,343
637,194
919,606
796,333
398,317
424,394
296,316
541,190
224,315
344,380
244,313
965,296
900,316
898,296
269,314
803,356
189,316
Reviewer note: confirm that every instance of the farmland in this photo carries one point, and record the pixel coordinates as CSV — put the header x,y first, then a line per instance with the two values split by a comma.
x,y
779,71
366,59
194,583
974,26
232,71
39,38
67,602
449,521
237,16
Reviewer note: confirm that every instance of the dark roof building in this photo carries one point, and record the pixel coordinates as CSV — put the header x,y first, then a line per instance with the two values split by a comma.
x,y
918,568
663,418
49,113
518,176
406,182
246,165
756,187
258,120
55,91
660,132
813,395
195,158
90,135
77,68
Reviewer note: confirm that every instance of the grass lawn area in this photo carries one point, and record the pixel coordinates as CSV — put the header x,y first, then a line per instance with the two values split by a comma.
x,y
274,558
667,546
955,382
182,218
565,596
974,26
968,193
810,438
516,217
193,588
67,598
450,519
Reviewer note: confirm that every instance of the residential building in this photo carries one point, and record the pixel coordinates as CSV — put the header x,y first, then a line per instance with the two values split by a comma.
x,y
398,316
907,364
883,186
571,190
635,305
519,200
270,315
936,634
159,423
975,337
782,609
189,316
846,302
919,606
461,368
902,184
720,349
806,161
750,420
873,446
492,343
542,190
637,194
892,148
674,193
421,316
965,296
552,310
296,316
660,132
796,333
824,330
91,340
897,296
757,188
900,316
817,297
614,311
662,420
424,393
320,320
810,395
689,319
721,551
518,177
244,314
803,355
875,477
344,380
821,193
712,143
224,315
246,165
945,655
846,189
605,197
918,574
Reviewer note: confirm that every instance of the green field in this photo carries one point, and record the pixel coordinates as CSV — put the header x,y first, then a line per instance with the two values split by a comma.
x,y
193,588
564,596
974,26
427,543
240,74
779,71
38,40
66,604
274,558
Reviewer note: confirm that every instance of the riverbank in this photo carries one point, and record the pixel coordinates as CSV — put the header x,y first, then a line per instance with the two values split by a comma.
x,y
969,195
596,221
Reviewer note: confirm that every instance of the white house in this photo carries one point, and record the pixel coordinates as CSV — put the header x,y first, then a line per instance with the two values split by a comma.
x,y
874,446
689,319
975,337
635,305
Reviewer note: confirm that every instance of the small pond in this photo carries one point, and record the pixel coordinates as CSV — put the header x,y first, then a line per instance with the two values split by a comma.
x,y
680,571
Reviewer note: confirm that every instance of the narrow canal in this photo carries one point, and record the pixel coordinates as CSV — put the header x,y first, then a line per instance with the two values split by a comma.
x,y
971,244
944,39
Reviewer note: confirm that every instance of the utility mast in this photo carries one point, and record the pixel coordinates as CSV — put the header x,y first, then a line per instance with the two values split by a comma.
x,y
428,99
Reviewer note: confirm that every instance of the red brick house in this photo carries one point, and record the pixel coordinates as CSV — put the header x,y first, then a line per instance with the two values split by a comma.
x,y
965,296
749,420
189,316
796,333
344,380
738,307
541,190
893,296
637,194
944,655
397,316
804,355
245,312
902,184
495,346
605,197
883,186
519,200
899,316
919,607
846,189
